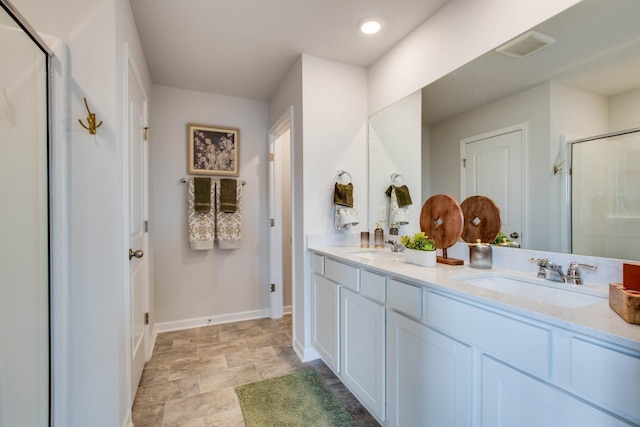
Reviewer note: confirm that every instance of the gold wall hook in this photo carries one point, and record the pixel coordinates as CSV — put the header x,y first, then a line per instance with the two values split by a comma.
x,y
91,120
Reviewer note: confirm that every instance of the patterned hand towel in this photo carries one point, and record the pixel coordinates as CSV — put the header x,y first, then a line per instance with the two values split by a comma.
x,y
229,225
397,214
201,225
345,217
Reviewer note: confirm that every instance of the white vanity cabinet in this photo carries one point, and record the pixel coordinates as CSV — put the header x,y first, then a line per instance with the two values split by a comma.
x,y
348,328
429,376
418,353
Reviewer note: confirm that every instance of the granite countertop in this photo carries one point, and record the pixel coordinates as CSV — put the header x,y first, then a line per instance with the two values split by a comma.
x,y
597,320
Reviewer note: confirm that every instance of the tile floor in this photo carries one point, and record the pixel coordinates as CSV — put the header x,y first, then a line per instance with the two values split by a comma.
x,y
189,381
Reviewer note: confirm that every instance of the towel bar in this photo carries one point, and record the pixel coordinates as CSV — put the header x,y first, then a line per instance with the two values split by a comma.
x,y
185,181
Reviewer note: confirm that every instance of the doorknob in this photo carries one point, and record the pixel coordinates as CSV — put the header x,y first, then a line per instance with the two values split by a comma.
x,y
514,235
137,254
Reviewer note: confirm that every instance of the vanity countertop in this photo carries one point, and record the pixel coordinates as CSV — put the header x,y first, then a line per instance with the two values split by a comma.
x,y
597,320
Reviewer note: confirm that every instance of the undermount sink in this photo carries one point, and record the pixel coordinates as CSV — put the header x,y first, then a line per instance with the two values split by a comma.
x,y
539,290
377,254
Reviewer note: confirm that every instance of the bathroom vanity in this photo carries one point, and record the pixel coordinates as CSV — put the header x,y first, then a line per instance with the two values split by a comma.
x,y
456,346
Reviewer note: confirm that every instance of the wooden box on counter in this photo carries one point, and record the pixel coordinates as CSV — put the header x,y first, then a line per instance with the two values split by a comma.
x,y
625,302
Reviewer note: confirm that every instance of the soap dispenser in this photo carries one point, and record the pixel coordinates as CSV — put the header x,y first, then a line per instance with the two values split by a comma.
x,y
393,231
378,237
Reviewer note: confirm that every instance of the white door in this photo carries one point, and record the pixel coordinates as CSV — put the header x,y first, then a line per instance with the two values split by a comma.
x,y
493,166
138,264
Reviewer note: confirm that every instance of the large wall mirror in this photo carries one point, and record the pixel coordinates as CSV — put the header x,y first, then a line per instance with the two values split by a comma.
x,y
584,82
24,225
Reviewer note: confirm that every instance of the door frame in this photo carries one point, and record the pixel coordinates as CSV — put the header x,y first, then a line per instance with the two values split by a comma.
x,y
280,127
524,169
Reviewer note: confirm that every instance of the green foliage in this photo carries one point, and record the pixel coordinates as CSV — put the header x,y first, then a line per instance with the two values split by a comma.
x,y
419,242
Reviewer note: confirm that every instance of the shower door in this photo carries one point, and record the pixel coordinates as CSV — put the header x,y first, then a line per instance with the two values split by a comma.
x,y
24,227
605,195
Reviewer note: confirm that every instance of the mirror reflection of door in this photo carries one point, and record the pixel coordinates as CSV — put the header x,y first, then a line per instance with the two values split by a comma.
x,y
24,229
492,166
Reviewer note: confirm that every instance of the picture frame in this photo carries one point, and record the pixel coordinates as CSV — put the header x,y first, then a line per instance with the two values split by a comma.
x,y
213,150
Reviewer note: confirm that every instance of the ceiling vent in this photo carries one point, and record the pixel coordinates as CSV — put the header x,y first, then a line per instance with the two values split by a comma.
x,y
526,44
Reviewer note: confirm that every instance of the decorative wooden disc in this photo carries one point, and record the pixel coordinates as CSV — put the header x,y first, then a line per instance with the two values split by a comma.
x,y
481,219
441,219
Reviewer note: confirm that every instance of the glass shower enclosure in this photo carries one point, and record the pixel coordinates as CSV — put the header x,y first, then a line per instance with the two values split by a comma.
x,y
24,225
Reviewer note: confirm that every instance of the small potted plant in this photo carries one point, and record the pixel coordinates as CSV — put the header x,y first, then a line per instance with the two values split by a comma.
x,y
420,249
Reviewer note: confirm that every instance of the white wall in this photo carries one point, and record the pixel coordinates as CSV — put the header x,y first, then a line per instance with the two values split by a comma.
x,y
329,134
289,95
624,111
459,32
194,284
96,391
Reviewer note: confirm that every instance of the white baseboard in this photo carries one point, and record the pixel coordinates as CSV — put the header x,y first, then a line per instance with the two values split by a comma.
x,y
305,354
178,325
127,419
287,309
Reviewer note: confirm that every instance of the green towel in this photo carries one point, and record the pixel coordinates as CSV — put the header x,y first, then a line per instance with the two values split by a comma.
x,y
202,192
228,195
402,195
343,195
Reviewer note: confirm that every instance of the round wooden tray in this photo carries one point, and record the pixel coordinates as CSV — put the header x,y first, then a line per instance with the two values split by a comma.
x,y
441,219
481,219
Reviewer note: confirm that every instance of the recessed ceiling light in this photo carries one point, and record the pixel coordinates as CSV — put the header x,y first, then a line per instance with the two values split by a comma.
x,y
370,25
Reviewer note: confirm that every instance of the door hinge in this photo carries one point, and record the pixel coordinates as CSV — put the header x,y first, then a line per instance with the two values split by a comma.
x,y
146,318
272,222
271,157
145,226
272,287
464,163
145,133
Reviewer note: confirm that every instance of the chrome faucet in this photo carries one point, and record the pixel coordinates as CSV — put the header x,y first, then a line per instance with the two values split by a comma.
x,y
553,272
396,245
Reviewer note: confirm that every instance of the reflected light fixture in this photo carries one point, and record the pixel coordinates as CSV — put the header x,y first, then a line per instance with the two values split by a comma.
x,y
370,25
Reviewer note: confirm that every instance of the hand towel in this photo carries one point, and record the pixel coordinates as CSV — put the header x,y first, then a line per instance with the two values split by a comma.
x,y
402,195
397,214
345,217
202,190
343,195
228,195
200,225
229,225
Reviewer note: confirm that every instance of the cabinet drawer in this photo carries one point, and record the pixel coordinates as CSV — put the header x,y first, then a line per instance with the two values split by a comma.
x,y
372,285
405,298
343,274
606,376
521,344
317,263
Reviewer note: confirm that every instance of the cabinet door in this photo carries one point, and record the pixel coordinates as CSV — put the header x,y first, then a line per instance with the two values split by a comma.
x,y
511,398
326,320
429,376
363,350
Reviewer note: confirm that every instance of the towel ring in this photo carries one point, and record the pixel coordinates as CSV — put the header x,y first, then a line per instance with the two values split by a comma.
x,y
342,172
395,176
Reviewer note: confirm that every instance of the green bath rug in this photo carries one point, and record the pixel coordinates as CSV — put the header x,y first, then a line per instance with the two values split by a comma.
x,y
294,400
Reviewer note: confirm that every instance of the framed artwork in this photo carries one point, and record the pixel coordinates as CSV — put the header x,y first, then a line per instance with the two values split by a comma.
x,y
213,150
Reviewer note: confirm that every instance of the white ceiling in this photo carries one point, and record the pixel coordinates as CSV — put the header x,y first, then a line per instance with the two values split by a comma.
x,y
244,48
